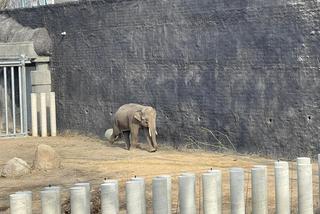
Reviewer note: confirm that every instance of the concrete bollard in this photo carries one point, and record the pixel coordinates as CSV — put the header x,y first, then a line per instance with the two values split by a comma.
x,y
134,197
57,190
78,198
49,202
34,115
259,190
43,115
282,187
28,197
168,179
319,174
187,193
18,204
109,202
53,121
303,160
237,191
21,203
159,195
88,194
142,192
212,192
116,183
305,192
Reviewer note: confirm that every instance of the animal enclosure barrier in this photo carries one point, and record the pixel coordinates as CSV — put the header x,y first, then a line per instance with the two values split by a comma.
x,y
13,98
42,101
135,200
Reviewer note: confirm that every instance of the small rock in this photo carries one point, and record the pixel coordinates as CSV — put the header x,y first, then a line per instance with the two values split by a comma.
x,y
15,167
108,134
46,158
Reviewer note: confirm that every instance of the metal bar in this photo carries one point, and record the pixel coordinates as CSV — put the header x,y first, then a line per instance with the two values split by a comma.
x,y
24,98
6,98
10,63
20,101
13,101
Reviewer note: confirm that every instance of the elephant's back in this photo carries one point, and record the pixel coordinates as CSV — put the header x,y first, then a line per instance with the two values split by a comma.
x,y
126,111
131,107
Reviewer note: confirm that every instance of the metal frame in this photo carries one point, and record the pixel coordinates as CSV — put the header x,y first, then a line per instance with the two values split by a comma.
x,y
7,68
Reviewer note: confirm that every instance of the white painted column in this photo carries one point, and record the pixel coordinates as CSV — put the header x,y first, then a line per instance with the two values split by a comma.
x,y
142,192
259,190
187,193
43,115
237,191
34,115
53,121
57,191
305,191
116,183
109,202
20,203
88,194
303,160
134,197
212,192
49,202
319,173
28,198
282,187
168,179
78,200
159,195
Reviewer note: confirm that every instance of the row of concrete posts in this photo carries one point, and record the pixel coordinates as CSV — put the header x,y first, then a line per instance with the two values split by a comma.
x,y
42,97
20,202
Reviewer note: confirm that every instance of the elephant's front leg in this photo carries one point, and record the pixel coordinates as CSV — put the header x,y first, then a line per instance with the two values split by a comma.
x,y
134,131
149,139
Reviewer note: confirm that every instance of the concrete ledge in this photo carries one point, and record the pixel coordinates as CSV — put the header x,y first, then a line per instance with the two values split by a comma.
x,y
17,49
41,88
42,77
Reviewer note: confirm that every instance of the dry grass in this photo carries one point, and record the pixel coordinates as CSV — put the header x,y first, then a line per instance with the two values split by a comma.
x,y
89,159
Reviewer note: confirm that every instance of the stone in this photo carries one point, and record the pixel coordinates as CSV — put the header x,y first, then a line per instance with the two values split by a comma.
x,y
108,134
46,158
15,167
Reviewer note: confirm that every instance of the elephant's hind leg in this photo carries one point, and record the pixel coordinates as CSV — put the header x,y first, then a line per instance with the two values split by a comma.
x,y
115,134
113,138
126,138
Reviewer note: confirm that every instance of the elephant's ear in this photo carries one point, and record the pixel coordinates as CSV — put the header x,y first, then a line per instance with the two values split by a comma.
x,y
137,115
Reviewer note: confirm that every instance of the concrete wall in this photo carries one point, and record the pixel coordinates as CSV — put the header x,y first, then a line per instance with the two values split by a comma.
x,y
247,68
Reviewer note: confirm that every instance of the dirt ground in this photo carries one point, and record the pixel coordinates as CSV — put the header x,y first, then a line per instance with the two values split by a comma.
x,y
92,160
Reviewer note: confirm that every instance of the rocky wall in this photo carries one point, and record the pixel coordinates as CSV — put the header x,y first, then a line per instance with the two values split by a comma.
x,y
218,72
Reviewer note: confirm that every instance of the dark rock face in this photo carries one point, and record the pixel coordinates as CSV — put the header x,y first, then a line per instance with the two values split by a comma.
x,y
246,70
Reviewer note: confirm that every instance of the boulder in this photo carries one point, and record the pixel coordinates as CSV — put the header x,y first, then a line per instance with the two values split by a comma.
x,y
108,134
15,167
46,158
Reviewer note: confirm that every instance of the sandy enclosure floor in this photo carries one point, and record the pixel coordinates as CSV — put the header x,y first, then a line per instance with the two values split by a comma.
x,y
89,159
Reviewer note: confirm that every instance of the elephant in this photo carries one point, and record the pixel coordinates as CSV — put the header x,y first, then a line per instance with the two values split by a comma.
x,y
131,118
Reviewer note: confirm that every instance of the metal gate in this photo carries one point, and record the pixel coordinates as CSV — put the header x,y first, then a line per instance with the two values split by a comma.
x,y
13,99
